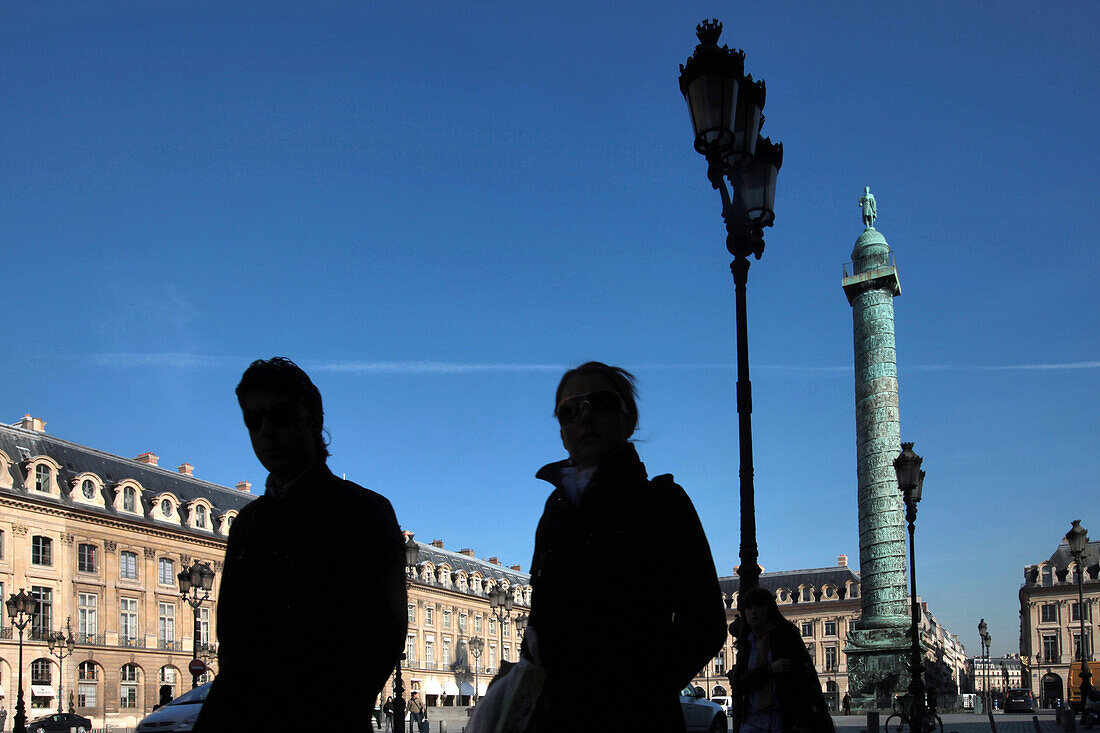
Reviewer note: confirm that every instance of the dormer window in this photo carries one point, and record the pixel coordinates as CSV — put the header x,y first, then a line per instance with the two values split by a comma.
x,y
200,516
42,478
129,499
166,507
87,488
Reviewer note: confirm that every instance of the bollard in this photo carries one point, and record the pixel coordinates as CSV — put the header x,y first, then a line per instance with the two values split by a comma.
x,y
443,726
872,722
1035,722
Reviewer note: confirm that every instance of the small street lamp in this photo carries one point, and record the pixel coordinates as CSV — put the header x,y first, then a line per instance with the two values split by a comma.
x,y
61,647
983,633
195,585
1078,539
907,466
21,608
412,556
476,646
726,108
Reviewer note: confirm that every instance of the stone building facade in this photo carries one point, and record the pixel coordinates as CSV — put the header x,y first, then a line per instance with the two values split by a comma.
x,y
1050,621
448,608
98,539
825,604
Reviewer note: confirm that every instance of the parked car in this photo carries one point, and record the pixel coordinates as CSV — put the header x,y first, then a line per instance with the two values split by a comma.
x,y
1019,701
60,723
726,702
177,716
700,714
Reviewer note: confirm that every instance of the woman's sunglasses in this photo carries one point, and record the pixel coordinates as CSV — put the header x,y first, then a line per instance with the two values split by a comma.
x,y
570,409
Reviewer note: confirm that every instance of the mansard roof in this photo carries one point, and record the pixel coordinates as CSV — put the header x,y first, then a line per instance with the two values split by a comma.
x,y
21,444
838,576
438,556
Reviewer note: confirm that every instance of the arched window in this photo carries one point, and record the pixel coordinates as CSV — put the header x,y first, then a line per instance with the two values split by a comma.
x,y
128,689
200,516
40,672
129,499
42,478
87,487
166,507
87,687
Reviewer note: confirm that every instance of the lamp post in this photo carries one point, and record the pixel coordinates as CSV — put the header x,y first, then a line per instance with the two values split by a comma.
x,y
500,603
61,647
195,585
412,556
907,466
726,108
1078,539
983,634
21,607
476,646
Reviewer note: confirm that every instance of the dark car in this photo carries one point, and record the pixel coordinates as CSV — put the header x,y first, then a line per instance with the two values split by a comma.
x,y
60,723
1019,701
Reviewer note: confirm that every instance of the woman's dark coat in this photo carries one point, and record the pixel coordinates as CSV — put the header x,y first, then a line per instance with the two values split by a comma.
x,y
625,596
797,692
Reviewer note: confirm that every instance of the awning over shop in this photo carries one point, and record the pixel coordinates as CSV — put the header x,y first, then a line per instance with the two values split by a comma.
x,y
42,690
465,688
433,687
450,688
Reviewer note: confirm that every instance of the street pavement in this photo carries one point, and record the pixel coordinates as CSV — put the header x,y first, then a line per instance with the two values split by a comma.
x,y
964,723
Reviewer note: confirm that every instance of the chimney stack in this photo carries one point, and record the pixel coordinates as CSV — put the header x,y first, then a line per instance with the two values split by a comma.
x,y
244,486
842,561
149,459
467,552
494,561
517,568
186,469
437,543
36,424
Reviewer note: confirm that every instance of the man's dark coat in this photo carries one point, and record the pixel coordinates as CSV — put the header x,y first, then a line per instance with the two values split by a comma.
x,y
624,588
311,609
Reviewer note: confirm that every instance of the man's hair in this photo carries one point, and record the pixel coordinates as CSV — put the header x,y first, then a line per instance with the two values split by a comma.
x,y
761,596
622,381
282,376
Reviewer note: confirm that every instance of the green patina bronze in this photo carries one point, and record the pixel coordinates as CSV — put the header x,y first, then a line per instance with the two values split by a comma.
x,y
878,646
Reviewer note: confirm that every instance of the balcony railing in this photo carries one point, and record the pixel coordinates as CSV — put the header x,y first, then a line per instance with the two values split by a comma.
x,y
132,643
170,645
91,639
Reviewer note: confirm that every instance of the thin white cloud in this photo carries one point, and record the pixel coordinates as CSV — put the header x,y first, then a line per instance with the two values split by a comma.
x,y
425,367
180,360
176,360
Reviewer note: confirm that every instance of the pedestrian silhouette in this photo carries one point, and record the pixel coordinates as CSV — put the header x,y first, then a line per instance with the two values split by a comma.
x,y
604,509
291,654
774,679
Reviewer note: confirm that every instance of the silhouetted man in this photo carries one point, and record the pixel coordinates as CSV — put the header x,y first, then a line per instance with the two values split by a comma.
x,y
311,607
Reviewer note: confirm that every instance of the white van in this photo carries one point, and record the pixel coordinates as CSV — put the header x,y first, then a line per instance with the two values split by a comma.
x,y
726,702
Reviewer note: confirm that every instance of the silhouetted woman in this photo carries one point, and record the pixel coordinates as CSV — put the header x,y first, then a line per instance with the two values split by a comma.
x,y
776,683
623,581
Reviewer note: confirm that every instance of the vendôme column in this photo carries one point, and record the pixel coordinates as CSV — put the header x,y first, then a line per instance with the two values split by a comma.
x,y
876,650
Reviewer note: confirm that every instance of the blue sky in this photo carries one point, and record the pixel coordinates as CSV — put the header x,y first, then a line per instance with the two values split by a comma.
x,y
435,207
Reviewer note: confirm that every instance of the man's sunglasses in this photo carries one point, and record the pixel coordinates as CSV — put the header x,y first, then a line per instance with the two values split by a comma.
x,y
569,410
282,415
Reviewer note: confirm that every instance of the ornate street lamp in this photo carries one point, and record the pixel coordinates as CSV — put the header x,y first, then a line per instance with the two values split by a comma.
x,y
476,646
500,603
412,557
1078,539
907,466
195,584
61,647
726,108
983,633
21,608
